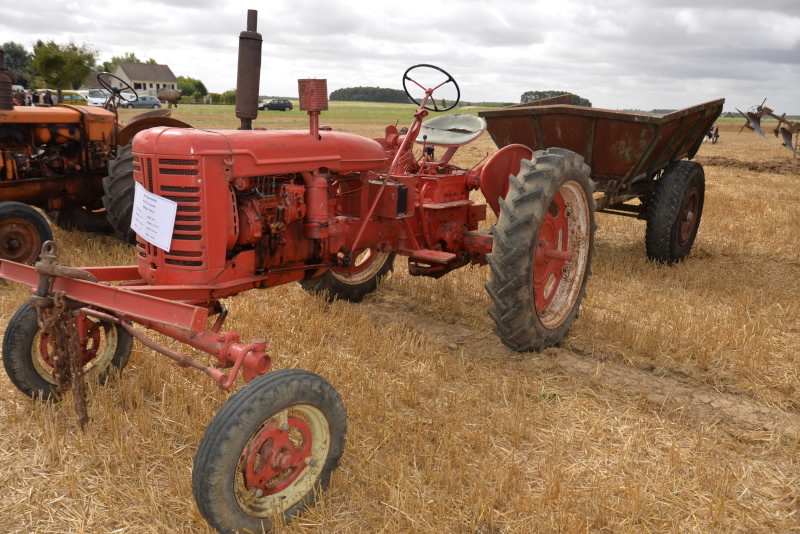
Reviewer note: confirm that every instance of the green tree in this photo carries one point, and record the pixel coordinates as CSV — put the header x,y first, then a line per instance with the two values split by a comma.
x,y
192,88
62,67
19,63
128,57
532,96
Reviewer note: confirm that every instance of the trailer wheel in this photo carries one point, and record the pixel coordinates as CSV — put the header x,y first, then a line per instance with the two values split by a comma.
x,y
23,231
355,282
269,451
673,214
543,245
118,192
28,357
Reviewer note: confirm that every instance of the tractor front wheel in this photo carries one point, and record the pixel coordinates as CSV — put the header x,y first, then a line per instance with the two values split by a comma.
x,y
353,283
118,193
29,355
269,451
23,231
543,243
673,213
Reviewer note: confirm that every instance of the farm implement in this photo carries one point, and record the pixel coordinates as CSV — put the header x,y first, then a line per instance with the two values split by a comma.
x,y
785,128
639,162
220,212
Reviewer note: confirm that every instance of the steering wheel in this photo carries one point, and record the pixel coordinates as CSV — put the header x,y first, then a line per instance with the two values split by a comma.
x,y
116,91
429,92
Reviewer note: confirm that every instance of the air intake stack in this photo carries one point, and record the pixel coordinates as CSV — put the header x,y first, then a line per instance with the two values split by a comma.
x,y
313,99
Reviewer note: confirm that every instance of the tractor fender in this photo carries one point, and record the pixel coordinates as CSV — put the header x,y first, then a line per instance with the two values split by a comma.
x,y
146,121
494,175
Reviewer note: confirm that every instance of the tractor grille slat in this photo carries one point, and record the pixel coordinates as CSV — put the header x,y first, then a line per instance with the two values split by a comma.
x,y
173,184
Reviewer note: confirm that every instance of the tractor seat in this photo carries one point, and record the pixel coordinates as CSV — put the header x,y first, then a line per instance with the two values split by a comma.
x,y
451,130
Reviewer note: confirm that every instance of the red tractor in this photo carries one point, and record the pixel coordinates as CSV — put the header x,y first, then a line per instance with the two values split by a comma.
x,y
221,212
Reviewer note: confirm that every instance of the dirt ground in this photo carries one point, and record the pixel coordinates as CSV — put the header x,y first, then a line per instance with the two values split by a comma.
x,y
673,405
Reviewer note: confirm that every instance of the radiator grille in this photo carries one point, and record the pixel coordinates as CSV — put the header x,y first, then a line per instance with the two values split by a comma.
x,y
173,183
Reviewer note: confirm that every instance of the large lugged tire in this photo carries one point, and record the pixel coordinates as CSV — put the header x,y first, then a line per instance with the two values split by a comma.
x,y
673,214
356,281
28,358
542,252
118,192
23,231
268,451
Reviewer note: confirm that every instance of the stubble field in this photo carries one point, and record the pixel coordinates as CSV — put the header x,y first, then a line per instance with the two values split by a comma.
x,y
673,405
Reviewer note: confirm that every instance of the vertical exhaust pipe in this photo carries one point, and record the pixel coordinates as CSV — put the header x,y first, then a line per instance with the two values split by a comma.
x,y
249,72
6,94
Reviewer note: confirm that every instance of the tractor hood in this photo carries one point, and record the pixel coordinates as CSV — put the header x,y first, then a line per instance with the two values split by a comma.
x,y
266,152
60,123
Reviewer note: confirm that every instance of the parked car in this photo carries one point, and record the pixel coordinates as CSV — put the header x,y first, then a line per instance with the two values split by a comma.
x,y
73,97
97,97
276,103
144,101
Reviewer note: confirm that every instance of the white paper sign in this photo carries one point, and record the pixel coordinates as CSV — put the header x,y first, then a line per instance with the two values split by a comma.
x,y
153,217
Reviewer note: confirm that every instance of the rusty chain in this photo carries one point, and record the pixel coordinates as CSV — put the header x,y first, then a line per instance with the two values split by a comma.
x,y
59,324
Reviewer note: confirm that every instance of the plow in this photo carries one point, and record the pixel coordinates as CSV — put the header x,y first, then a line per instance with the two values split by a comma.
x,y
788,131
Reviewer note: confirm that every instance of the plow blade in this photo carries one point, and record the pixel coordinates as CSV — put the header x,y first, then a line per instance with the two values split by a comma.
x,y
787,139
753,121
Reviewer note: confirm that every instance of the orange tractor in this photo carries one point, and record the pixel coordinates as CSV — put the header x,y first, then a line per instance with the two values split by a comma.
x,y
72,162
219,212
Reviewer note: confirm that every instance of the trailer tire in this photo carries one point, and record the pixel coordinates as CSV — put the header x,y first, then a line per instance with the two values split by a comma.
x,y
542,251
673,213
23,231
29,366
355,282
269,451
118,193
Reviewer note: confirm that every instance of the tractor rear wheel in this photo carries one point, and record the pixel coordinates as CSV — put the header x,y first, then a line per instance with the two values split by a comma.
x,y
118,193
542,252
673,213
269,451
29,359
355,282
23,231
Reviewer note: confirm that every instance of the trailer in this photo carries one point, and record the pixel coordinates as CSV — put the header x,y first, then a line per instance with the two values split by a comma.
x,y
639,161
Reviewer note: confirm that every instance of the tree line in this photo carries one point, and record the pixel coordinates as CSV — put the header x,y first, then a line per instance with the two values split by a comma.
x,y
532,96
68,67
370,94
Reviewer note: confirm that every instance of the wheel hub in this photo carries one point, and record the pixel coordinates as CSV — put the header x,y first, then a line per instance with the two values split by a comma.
x,y
277,455
552,253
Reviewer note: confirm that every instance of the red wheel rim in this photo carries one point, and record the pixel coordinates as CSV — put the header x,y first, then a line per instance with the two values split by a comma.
x,y
90,339
19,241
552,253
277,455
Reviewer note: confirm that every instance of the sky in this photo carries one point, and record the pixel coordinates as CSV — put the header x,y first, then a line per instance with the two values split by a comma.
x,y
619,54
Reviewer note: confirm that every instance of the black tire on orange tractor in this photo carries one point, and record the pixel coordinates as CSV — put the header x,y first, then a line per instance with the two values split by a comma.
x,y
23,231
269,451
118,192
29,362
355,282
542,251
673,213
